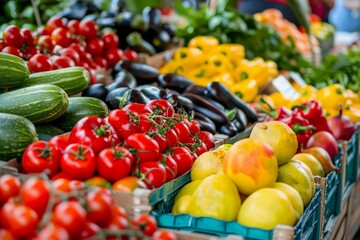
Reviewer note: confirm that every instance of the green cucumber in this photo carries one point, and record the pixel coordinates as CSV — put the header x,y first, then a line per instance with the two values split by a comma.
x,y
13,70
39,104
16,133
72,80
47,131
78,108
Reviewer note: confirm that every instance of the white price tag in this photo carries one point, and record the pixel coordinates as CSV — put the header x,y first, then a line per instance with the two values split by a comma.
x,y
284,87
297,78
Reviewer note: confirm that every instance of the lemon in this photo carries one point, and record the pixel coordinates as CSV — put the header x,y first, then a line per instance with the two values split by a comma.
x,y
207,164
188,189
267,208
293,196
276,134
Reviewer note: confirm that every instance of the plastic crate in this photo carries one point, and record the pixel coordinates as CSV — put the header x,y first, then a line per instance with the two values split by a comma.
x,y
308,226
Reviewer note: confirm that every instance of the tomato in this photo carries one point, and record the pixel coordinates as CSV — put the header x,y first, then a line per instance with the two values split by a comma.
x,y
183,158
78,161
79,49
61,37
53,232
40,156
170,165
207,138
20,220
114,163
35,193
88,29
123,122
101,62
39,63
172,138
9,187
62,185
182,132
29,52
153,174
194,127
97,181
94,132
90,230
60,175
131,55
2,45
201,149
113,55
110,40
164,235
161,107
95,46
73,26
117,223
13,51
71,53
6,235
145,222
98,206
53,23
45,44
61,141
161,140
128,184
12,36
138,108
59,62
144,148
71,216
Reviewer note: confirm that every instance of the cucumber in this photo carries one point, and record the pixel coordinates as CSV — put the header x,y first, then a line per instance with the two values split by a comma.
x,y
39,104
16,133
80,107
72,80
47,131
13,70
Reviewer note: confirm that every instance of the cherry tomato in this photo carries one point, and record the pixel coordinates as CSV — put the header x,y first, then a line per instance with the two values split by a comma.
x,y
62,62
170,165
172,138
90,230
95,46
194,127
35,193
6,235
114,163
149,223
53,23
183,158
53,232
128,184
182,131
29,52
60,175
9,187
40,156
42,31
45,44
101,62
61,141
73,26
162,141
145,125
88,29
61,37
124,122
110,40
201,149
97,181
29,39
144,148
71,53
20,220
138,108
13,51
94,132
117,223
12,36
78,161
39,63
79,49
161,107
153,174
164,235
2,45
207,138
113,56
131,55
61,184
98,206
71,216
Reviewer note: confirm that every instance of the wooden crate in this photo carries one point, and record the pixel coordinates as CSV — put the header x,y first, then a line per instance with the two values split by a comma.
x,y
340,228
353,215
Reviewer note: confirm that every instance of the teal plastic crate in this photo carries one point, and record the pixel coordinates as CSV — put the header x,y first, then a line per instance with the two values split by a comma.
x,y
307,228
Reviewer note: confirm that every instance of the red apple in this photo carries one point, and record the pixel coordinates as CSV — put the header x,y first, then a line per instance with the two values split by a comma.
x,y
324,140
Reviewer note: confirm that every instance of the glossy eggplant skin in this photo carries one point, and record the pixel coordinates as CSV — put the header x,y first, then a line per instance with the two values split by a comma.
x,y
143,73
204,107
134,96
220,93
174,81
205,123
123,79
228,129
195,89
97,90
112,98
215,103
136,42
152,92
180,102
151,16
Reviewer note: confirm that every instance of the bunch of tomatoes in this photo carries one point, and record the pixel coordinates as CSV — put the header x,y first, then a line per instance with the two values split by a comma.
x,y
147,141
62,44
64,210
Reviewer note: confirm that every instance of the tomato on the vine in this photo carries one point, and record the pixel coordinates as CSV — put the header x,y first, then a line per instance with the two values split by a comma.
x,y
71,53
73,26
12,36
90,230
29,39
29,52
124,122
59,62
39,63
88,29
53,232
53,23
194,127
139,108
183,132
110,40
128,184
172,138
153,174
207,138
9,187
112,56
161,107
45,44
98,207
101,62
147,223
6,235
131,55
78,161
183,158
61,37
164,235
143,147
170,165
97,181
161,140
95,46
13,51
2,45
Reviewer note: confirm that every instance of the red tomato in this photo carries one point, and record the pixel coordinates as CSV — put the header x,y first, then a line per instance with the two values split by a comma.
x,y
138,108
13,51
29,39
73,26
207,138
144,148
131,55
2,45
53,23
147,223
114,163
123,122
35,193
94,132
61,36
78,161
71,216
71,53
182,132
40,156
110,40
88,29
60,62
45,43
62,185
145,125
113,56
97,181
95,47
29,52
9,187
161,107
39,63
153,174
194,127
6,235
118,211
117,223
164,235
12,36
98,206
172,138
20,220
201,149
79,49
53,232
90,230
101,62
170,165
183,158
61,141
161,140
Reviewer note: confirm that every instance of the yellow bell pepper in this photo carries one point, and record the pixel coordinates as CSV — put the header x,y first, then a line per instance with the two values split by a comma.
x,y
353,113
279,100
234,52
217,64
331,96
198,76
246,89
330,112
308,92
189,56
205,43
224,78
350,95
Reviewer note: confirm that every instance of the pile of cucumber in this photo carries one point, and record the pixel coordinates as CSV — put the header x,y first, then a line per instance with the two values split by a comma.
x,y
39,105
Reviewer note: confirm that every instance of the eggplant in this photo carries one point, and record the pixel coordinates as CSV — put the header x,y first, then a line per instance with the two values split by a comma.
x,y
151,15
215,103
206,126
116,7
228,129
91,17
135,96
117,68
97,90
203,119
241,117
158,37
152,92
195,89
220,93
106,22
180,102
123,79
204,107
169,28
143,73
75,11
127,23
174,81
112,98
136,42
